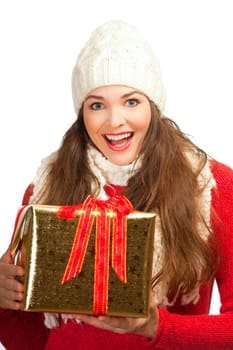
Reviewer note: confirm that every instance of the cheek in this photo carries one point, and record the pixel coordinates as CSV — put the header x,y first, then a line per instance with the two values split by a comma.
x,y
93,120
91,124
88,126
143,121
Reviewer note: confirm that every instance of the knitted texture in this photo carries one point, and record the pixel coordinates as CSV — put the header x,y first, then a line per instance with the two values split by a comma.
x,y
116,54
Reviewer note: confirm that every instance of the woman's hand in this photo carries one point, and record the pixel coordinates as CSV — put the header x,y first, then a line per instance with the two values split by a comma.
x,y
141,326
11,290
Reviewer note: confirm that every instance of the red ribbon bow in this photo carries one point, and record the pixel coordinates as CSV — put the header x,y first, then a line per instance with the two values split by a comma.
x,y
119,207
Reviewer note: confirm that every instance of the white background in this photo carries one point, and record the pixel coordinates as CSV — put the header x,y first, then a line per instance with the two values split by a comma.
x,y
39,44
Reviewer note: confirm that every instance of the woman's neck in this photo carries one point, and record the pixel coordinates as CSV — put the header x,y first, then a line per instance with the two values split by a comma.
x,y
108,173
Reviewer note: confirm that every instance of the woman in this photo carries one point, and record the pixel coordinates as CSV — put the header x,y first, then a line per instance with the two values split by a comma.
x,y
121,142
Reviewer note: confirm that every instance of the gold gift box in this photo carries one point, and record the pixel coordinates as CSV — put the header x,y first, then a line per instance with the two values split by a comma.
x,y
42,245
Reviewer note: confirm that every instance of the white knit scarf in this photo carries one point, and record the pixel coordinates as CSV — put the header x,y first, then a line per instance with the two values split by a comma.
x,y
108,173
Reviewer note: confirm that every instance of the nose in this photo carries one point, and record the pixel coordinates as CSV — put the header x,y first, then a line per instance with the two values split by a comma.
x,y
116,117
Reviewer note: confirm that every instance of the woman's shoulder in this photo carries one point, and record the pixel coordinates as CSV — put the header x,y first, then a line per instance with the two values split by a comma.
x,y
222,173
222,197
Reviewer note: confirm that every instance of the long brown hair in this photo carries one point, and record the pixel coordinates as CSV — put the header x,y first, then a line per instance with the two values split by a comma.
x,y
166,182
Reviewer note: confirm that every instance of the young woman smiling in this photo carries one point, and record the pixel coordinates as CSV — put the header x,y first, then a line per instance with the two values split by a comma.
x,y
117,119
121,142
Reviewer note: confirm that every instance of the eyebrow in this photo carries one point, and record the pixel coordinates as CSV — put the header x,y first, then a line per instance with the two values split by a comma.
x,y
132,93
98,97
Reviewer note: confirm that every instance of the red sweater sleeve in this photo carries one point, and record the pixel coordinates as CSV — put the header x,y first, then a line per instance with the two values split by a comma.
x,y
21,330
202,331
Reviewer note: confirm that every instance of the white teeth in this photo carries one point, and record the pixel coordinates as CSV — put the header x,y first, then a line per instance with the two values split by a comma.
x,y
118,137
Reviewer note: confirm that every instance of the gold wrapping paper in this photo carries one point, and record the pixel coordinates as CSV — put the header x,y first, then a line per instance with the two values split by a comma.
x,y
42,245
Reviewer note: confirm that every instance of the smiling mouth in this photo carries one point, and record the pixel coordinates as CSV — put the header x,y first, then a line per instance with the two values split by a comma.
x,y
119,138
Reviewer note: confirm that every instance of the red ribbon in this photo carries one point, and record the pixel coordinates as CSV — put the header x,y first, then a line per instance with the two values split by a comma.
x,y
92,208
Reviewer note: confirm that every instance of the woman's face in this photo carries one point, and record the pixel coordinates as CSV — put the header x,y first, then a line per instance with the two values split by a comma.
x,y
117,118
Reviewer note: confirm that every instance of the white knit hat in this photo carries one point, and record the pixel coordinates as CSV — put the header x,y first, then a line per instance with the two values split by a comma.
x,y
116,54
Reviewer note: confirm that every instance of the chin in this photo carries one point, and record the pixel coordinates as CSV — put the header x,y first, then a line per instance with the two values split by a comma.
x,y
120,162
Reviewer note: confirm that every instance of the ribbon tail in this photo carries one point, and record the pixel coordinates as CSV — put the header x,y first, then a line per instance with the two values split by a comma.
x,y
101,273
119,247
79,247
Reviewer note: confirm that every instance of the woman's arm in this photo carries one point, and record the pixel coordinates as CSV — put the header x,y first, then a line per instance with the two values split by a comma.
x,y
208,331
18,329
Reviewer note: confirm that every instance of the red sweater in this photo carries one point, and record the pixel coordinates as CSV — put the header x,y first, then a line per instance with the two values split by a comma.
x,y
181,327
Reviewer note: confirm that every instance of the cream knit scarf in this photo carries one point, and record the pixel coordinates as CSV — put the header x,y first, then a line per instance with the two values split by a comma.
x,y
108,173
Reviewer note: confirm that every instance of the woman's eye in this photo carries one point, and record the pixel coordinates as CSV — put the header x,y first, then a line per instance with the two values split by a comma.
x,y
97,106
132,102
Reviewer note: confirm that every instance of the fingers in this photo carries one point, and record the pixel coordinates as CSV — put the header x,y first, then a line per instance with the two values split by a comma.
x,y
10,300
10,270
11,284
121,325
146,326
11,294
94,321
11,290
